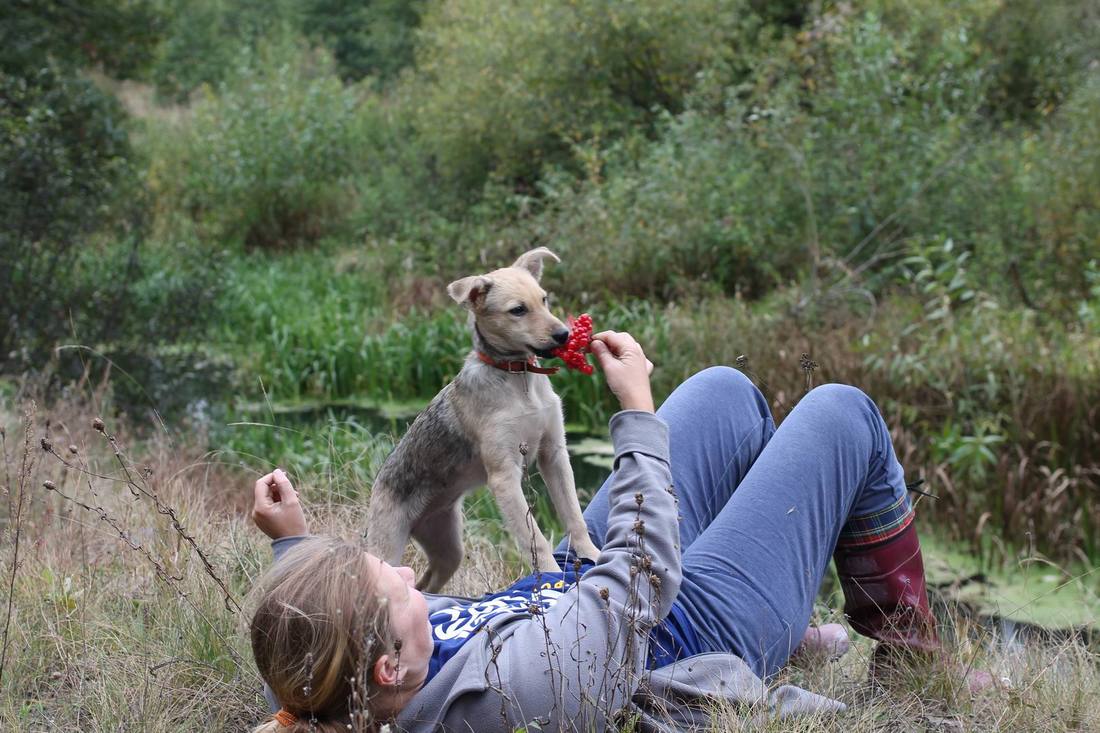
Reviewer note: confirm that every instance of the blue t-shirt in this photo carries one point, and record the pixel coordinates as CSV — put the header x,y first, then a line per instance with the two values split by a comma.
x,y
452,627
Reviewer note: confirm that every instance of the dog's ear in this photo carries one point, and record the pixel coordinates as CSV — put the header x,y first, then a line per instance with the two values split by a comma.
x,y
532,260
469,291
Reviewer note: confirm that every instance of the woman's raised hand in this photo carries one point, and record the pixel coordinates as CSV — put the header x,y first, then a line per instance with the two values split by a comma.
x,y
625,367
276,509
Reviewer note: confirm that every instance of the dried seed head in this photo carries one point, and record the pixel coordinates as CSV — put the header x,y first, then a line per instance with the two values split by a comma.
x,y
639,526
605,593
741,361
807,363
47,445
638,498
523,448
73,449
98,424
50,485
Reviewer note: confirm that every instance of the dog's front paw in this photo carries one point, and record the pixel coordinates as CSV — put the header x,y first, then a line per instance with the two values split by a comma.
x,y
584,548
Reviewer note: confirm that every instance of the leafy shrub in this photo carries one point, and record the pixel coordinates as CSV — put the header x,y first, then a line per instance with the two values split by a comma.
x,y
366,39
752,187
694,214
1039,51
121,37
204,39
1038,221
1061,180
64,160
996,402
268,159
505,88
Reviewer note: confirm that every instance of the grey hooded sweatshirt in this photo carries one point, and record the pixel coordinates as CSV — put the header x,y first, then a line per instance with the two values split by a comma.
x,y
579,665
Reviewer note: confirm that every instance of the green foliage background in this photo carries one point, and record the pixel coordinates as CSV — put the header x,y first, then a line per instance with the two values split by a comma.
x,y
277,193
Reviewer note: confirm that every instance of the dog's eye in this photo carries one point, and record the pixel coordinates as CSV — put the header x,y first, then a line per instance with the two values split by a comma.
x,y
545,300
519,310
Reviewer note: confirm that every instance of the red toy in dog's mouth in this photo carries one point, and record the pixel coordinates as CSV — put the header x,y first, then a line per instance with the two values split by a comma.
x,y
575,350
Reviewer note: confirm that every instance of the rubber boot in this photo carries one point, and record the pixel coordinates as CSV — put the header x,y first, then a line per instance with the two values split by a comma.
x,y
884,591
885,598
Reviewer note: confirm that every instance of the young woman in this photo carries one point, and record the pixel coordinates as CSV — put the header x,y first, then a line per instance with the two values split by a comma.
x,y
715,530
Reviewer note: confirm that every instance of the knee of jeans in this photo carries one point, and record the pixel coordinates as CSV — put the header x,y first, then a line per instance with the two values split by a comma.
x,y
838,396
724,380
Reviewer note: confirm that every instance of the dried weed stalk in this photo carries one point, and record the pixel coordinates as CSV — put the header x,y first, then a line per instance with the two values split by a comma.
x,y
26,468
137,482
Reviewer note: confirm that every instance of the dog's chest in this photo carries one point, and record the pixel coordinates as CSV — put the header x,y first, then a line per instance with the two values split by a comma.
x,y
514,417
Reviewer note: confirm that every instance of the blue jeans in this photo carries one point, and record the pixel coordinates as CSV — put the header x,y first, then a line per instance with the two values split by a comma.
x,y
761,508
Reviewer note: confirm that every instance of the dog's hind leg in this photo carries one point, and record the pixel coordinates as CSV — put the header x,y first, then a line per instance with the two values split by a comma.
x,y
557,473
440,536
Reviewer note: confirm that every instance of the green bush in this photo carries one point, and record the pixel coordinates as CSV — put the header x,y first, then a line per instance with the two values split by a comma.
x,y
64,161
204,39
1038,53
1025,203
1062,175
699,212
268,159
367,39
120,36
506,88
841,147
758,184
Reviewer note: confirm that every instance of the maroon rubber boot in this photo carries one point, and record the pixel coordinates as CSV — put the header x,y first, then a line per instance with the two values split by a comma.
x,y
885,598
884,592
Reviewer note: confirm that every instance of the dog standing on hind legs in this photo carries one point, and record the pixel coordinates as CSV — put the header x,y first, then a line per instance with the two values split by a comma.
x,y
486,427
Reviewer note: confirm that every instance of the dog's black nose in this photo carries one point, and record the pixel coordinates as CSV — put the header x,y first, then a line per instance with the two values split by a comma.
x,y
560,336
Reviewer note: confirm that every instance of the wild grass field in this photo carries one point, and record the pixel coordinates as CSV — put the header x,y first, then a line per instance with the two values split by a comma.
x,y
133,559
228,226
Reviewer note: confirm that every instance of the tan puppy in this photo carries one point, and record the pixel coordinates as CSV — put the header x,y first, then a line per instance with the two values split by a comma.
x,y
487,426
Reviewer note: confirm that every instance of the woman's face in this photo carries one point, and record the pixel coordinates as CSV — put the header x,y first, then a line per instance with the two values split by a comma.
x,y
408,617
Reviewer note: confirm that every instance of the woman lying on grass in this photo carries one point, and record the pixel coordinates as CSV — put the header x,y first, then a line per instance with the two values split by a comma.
x,y
700,593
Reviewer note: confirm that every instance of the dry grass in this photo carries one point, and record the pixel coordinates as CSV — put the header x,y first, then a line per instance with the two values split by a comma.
x,y
118,624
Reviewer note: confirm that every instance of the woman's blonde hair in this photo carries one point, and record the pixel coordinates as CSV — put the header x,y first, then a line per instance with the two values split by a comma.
x,y
317,631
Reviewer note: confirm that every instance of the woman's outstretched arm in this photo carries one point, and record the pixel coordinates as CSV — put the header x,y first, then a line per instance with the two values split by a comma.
x,y
574,665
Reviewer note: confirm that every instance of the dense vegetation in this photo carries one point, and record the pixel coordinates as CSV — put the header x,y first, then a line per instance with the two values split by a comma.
x,y
218,211
909,192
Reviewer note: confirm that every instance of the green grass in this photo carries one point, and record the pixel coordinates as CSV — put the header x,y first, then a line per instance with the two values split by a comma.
x,y
967,383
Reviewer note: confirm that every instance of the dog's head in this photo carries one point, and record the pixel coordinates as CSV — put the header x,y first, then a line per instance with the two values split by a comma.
x,y
509,307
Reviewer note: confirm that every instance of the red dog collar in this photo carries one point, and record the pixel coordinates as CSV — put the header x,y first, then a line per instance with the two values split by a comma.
x,y
517,367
